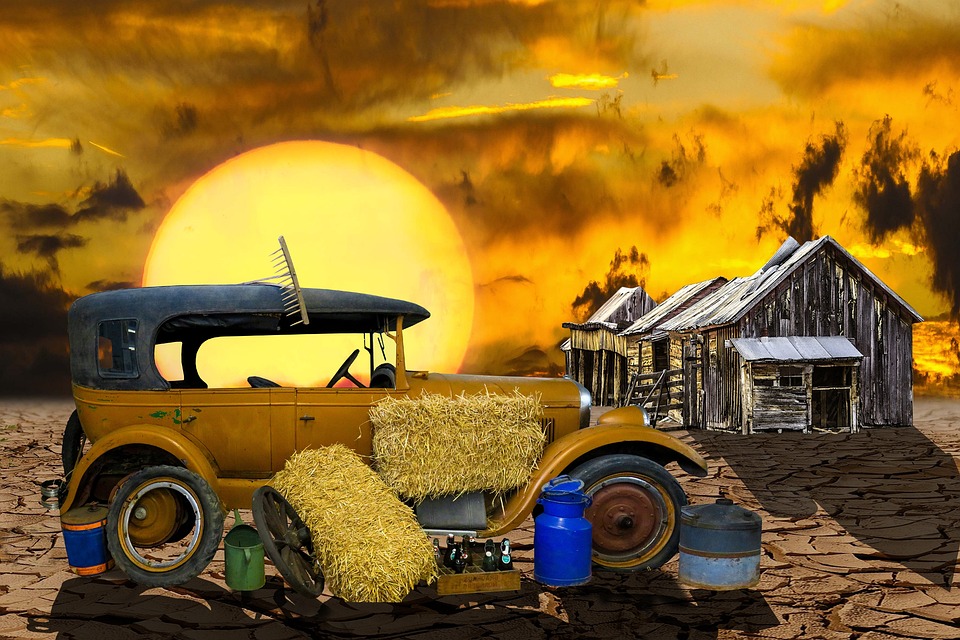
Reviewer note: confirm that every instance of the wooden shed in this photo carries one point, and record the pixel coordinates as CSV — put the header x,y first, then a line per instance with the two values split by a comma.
x,y
651,350
816,290
596,353
799,383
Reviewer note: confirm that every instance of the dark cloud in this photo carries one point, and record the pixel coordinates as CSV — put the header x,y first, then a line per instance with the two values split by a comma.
x,y
48,246
883,190
181,121
23,216
33,343
428,52
626,270
818,58
938,206
504,174
934,94
506,357
113,200
32,308
816,171
111,285
681,161
534,361
513,279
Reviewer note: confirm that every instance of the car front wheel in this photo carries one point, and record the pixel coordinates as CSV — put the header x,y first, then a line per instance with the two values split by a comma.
x,y
164,526
635,511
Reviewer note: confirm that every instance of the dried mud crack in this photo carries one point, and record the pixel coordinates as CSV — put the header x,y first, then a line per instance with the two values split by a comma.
x,y
860,542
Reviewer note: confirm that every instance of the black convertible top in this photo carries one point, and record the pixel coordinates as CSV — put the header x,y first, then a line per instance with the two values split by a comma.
x,y
194,313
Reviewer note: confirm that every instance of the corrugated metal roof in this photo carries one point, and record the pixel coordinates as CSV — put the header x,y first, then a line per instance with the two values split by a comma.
x,y
667,308
732,301
600,317
609,307
796,349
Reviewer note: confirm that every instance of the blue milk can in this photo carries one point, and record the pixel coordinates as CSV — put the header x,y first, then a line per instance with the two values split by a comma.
x,y
84,535
719,546
562,537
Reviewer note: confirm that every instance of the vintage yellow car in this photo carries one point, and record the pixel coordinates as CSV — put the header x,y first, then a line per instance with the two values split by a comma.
x,y
169,457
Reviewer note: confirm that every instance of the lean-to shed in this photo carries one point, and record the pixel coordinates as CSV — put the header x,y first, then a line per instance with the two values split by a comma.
x,y
596,353
749,381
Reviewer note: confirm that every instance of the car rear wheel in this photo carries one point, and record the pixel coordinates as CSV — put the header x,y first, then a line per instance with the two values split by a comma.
x,y
635,511
164,526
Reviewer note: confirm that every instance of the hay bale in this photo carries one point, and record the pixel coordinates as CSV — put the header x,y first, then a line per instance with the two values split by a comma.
x,y
368,543
436,445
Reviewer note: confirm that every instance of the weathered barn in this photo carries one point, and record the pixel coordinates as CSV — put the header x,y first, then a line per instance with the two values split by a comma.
x,y
651,350
813,340
596,353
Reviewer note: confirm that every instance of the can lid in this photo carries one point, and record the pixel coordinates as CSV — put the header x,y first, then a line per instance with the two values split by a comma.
x,y
86,514
722,514
563,485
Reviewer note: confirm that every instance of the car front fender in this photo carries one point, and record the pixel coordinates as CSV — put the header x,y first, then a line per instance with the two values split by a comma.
x,y
567,452
190,453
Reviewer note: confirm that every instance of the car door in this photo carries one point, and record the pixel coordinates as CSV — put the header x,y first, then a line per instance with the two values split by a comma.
x,y
236,426
327,416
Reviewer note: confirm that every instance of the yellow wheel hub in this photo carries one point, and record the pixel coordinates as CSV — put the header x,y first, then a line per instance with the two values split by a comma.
x,y
154,518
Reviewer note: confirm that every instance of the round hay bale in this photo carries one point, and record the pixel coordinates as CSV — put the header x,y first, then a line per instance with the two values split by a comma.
x,y
368,543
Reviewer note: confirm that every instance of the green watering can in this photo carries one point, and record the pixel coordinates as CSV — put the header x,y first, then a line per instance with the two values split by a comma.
x,y
243,556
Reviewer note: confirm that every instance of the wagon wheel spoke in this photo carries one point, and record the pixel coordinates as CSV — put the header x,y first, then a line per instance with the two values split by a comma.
x,y
286,541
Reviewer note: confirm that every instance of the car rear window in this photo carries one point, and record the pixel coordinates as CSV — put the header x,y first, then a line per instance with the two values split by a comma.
x,y
117,349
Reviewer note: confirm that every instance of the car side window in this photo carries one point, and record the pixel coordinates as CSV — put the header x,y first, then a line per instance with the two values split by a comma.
x,y
117,349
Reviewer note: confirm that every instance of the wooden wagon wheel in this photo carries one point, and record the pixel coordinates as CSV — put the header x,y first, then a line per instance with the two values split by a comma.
x,y
286,541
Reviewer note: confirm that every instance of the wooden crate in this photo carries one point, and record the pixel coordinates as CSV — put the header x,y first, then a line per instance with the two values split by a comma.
x,y
476,580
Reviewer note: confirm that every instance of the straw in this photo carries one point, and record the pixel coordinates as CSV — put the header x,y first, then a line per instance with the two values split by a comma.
x,y
367,542
435,445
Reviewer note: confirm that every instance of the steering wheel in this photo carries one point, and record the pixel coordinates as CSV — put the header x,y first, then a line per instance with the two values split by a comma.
x,y
344,371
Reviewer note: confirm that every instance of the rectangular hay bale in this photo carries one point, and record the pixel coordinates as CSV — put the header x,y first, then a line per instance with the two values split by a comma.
x,y
368,543
435,445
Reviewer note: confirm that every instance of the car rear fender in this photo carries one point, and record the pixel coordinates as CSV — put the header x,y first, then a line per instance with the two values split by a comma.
x,y
570,451
172,445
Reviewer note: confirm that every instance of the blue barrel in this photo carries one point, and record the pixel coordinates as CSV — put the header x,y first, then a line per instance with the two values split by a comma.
x,y
719,546
562,537
84,535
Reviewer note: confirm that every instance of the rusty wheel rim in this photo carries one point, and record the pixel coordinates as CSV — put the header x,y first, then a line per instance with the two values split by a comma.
x,y
629,517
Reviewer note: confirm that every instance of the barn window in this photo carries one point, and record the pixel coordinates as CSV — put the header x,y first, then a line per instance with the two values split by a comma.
x,y
661,355
831,377
791,377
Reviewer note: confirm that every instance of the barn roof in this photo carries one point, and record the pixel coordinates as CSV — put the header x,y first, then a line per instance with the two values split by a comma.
x,y
796,349
731,302
669,307
612,314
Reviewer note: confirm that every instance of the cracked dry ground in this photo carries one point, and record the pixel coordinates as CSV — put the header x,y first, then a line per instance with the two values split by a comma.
x,y
860,540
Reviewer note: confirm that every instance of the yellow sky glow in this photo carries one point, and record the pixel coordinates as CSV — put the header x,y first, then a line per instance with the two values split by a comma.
x,y
591,81
55,143
443,113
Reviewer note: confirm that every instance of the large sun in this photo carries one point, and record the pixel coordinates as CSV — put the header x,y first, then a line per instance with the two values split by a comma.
x,y
353,221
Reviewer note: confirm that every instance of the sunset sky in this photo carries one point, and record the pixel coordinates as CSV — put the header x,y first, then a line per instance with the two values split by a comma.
x,y
557,135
